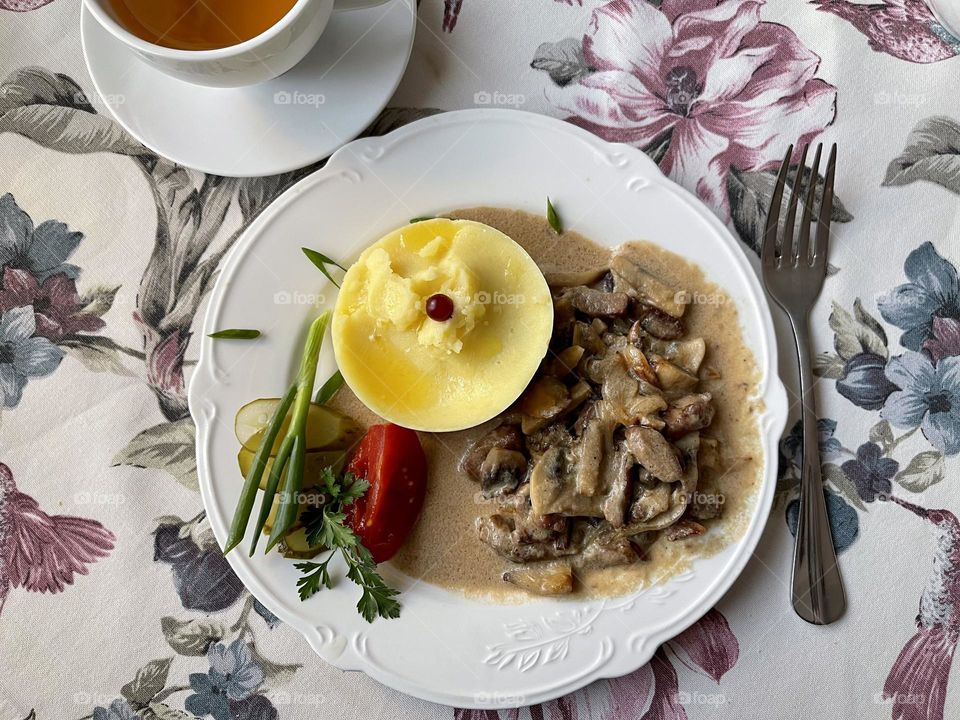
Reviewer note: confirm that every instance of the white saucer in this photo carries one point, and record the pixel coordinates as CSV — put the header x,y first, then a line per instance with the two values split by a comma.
x,y
289,122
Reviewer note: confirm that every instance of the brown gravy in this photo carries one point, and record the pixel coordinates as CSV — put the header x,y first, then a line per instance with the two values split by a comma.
x,y
444,549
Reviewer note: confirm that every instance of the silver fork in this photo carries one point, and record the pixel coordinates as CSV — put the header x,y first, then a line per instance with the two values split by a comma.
x,y
793,274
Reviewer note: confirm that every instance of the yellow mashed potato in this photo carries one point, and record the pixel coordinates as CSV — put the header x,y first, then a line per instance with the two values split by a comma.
x,y
444,375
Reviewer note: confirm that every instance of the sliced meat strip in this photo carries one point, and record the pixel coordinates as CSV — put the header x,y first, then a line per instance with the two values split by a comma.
x,y
684,528
597,303
688,414
658,323
655,453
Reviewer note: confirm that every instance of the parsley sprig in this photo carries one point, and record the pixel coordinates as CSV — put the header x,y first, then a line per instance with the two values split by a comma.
x,y
325,526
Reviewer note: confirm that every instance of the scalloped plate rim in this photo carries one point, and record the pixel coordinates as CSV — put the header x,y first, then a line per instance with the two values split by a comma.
x,y
342,653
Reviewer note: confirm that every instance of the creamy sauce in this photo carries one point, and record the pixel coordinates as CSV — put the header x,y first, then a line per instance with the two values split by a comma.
x,y
444,549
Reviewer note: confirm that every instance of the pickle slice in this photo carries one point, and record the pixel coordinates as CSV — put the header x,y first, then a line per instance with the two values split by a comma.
x,y
327,429
295,545
314,462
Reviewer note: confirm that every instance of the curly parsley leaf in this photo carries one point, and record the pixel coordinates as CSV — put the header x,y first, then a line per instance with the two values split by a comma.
x,y
330,483
326,526
335,533
377,599
352,488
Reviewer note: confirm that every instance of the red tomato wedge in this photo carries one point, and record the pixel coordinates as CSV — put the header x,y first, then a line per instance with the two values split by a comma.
x,y
392,461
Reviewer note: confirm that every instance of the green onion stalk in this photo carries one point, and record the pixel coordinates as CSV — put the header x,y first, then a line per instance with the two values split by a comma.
x,y
297,433
291,453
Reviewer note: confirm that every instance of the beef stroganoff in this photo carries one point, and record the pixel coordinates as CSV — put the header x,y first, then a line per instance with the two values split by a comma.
x,y
634,450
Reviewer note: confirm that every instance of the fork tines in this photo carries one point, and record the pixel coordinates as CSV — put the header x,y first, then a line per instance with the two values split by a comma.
x,y
794,246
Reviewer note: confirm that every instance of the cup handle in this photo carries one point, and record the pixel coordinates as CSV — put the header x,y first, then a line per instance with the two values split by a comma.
x,y
356,4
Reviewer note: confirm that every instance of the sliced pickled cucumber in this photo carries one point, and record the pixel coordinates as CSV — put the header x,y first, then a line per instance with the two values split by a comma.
x,y
313,464
295,545
327,429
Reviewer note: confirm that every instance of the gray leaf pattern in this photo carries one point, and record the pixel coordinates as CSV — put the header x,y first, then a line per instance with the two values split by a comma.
x,y
932,153
168,447
53,111
562,60
750,195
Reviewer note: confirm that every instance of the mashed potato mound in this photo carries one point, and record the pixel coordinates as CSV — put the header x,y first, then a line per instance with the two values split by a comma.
x,y
441,375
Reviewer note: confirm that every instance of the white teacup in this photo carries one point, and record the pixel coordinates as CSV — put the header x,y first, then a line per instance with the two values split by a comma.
x,y
264,57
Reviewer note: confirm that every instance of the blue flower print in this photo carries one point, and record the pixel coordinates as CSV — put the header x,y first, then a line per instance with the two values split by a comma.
x,y
929,398
43,250
864,381
233,676
119,710
23,356
871,473
844,522
933,291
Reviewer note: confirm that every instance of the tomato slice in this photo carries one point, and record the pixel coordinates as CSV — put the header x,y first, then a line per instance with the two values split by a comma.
x,y
393,462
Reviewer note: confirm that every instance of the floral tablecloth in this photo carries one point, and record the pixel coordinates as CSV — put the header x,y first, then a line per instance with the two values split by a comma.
x,y
115,601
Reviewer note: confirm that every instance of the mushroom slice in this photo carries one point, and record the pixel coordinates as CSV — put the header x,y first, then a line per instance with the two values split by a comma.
x,y
688,414
502,471
658,323
554,578
687,354
568,278
596,446
655,453
578,394
639,365
553,488
554,435
672,378
617,472
503,436
658,522
597,303
566,361
545,398
625,264
564,318
625,398
586,336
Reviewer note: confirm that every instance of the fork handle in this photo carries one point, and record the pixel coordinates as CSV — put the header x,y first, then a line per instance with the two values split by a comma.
x,y
816,585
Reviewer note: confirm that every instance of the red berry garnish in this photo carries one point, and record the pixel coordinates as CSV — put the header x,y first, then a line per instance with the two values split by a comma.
x,y
439,307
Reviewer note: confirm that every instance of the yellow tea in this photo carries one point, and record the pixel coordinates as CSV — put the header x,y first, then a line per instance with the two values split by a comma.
x,y
198,24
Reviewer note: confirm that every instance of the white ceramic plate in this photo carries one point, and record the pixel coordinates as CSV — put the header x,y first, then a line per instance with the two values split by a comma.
x,y
329,98
446,648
